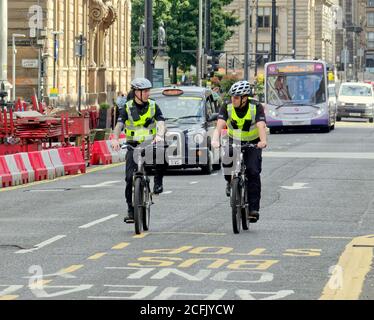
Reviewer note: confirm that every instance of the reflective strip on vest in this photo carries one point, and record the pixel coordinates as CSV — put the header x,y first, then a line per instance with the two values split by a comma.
x,y
239,133
136,130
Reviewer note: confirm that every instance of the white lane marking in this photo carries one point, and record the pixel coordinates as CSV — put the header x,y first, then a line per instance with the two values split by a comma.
x,y
41,245
321,155
89,225
296,186
46,190
194,182
101,185
214,174
167,192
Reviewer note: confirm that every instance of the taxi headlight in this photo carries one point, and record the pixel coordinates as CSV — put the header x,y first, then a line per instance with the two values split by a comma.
x,y
198,138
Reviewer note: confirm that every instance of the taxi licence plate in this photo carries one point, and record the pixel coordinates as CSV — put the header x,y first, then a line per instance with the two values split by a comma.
x,y
175,162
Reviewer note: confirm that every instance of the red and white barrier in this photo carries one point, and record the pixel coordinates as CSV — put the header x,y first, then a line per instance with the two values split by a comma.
x,y
72,159
5,176
18,177
101,154
23,162
56,162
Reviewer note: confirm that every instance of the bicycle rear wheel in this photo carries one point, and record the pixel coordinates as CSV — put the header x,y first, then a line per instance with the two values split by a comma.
x,y
138,204
147,207
245,211
236,205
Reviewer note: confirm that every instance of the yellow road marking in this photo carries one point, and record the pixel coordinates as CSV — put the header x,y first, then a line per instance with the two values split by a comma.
x,y
121,246
72,268
331,237
39,283
8,297
191,233
92,170
97,256
141,236
354,264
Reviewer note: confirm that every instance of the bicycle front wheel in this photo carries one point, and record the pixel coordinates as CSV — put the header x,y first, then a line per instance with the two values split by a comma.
x,y
138,204
147,207
236,207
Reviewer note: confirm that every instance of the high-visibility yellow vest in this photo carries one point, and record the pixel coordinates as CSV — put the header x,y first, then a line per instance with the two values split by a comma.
x,y
143,129
243,129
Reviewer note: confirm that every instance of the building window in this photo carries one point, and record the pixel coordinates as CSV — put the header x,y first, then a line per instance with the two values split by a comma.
x,y
370,40
264,17
371,3
370,61
370,18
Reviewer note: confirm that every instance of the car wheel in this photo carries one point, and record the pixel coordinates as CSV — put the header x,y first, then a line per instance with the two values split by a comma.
x,y
208,168
338,118
371,120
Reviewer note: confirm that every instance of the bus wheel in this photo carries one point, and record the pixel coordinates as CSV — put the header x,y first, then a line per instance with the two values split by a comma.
x,y
371,120
273,131
325,129
338,118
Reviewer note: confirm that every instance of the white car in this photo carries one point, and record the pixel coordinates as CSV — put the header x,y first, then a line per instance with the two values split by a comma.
x,y
356,100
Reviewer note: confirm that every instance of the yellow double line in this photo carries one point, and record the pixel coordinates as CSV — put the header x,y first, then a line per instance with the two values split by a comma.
x,y
348,278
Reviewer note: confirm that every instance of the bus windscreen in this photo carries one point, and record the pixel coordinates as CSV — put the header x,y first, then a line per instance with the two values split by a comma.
x,y
296,88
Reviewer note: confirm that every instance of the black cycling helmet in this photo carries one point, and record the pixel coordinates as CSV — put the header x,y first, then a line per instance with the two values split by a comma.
x,y
141,84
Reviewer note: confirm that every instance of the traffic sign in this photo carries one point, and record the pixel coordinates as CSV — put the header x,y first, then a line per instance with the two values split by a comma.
x,y
53,93
30,63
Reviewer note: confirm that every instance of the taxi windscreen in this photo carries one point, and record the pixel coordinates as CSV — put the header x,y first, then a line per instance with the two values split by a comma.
x,y
182,107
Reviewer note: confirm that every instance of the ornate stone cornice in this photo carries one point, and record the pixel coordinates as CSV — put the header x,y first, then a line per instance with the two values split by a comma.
x,y
98,11
111,16
102,12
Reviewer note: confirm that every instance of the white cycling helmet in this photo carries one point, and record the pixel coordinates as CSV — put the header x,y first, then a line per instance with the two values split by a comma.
x,y
141,84
240,89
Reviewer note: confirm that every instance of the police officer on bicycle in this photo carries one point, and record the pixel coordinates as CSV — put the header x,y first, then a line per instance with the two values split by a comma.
x,y
144,124
246,123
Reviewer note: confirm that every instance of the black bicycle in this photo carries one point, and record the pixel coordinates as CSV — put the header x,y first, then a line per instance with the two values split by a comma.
x,y
239,193
141,193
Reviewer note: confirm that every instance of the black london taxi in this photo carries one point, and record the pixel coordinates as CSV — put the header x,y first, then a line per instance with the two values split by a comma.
x,y
191,115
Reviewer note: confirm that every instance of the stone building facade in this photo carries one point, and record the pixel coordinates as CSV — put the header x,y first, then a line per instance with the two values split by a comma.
x,y
314,30
106,66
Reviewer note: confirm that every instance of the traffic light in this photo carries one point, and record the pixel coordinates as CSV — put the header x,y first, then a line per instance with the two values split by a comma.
x,y
215,61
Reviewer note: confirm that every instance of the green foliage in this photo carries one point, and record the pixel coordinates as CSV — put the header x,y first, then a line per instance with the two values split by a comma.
x,y
227,83
104,106
181,25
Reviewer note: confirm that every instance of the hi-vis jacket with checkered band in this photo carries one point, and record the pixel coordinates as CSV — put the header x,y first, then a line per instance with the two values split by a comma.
x,y
243,129
143,129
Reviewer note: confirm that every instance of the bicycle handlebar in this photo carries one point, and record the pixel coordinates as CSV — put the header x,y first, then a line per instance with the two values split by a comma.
x,y
246,146
153,145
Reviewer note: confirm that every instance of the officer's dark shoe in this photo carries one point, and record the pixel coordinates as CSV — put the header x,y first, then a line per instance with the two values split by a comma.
x,y
130,215
228,189
158,189
254,216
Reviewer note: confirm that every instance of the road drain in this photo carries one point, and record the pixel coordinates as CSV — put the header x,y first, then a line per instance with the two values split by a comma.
x,y
49,190
12,246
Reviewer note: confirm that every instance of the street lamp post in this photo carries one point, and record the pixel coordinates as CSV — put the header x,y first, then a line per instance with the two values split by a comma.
x,y
274,31
14,36
294,30
55,54
148,59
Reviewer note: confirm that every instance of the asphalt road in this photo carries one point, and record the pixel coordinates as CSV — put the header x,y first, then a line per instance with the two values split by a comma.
x,y
66,239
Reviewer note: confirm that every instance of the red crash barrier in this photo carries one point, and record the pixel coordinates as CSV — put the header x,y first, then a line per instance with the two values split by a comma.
x,y
101,154
37,163
72,159
5,176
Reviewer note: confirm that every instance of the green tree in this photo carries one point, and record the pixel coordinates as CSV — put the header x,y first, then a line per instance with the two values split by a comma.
x,y
181,24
